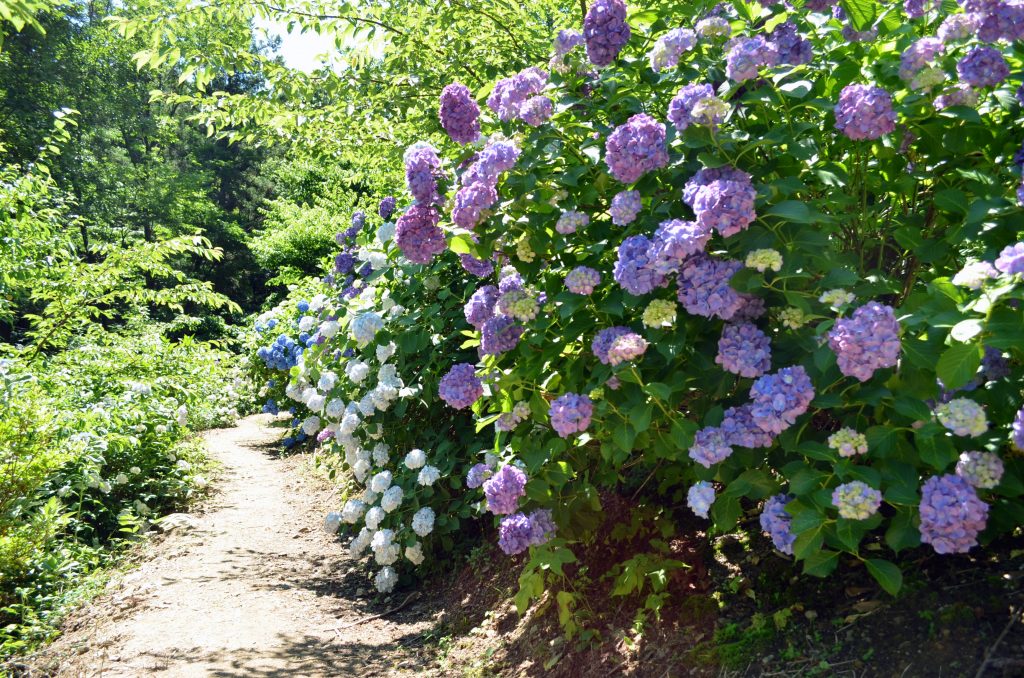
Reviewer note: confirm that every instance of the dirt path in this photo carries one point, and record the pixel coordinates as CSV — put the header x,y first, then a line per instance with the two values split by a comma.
x,y
257,589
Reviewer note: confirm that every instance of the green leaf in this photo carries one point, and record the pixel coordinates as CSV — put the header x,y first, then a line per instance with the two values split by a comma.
x,y
935,447
958,364
791,210
862,13
822,563
902,533
887,574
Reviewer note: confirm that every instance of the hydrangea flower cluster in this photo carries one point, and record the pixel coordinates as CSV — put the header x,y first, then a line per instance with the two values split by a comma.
x,y
460,387
744,350
669,47
418,235
1011,260
764,260
952,515
713,28
570,413
792,49
625,207
740,429
499,334
518,532
963,417
480,307
864,112
710,446
636,148
570,221
700,497
722,198
779,398
510,94
685,109
957,95
507,421
847,442
1017,430
626,347
459,113
983,470
605,31
365,326
856,500
675,241
503,490
518,304
634,269
386,207
582,280
535,111
604,339
997,19
282,354
421,169
919,55
837,298
480,181
776,523
481,268
866,341
747,56
975,274
659,313
983,67
471,204
704,288
957,27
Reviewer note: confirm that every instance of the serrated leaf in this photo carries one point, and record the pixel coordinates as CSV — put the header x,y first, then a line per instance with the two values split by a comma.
x,y
887,574
958,364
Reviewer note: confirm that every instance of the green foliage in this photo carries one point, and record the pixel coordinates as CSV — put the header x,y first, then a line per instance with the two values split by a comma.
x,y
295,239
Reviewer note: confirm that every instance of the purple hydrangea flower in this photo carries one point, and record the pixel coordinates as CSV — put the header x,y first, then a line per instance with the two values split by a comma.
x,y
625,207
571,221
542,527
983,67
481,268
1011,260
993,365
747,56
514,534
669,47
727,206
866,341
537,110
710,446
472,202
504,489
499,155
605,30
570,413
791,47
634,269
358,221
499,334
919,55
636,148
997,20
675,241
509,94
582,280
418,235
626,348
700,497
344,262
957,27
604,339
864,112
819,6
386,207
1017,430
477,475
739,428
567,40
421,168
779,398
776,523
957,95
707,176
480,307
460,115
915,9
744,350
681,108
460,388
704,287
951,514
983,470
510,280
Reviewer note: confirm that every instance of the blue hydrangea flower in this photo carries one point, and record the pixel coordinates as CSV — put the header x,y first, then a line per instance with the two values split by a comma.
x,y
625,207
776,523
779,398
710,446
791,47
669,47
386,207
480,307
704,288
744,350
983,67
636,148
570,413
635,269
866,341
740,429
514,534
459,113
952,515
674,242
570,221
460,388
681,108
510,94
700,497
499,334
477,475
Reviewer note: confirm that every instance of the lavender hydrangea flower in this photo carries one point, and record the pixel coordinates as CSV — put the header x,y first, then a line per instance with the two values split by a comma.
x,y
997,20
1017,430
915,9
459,113
472,203
791,47
604,339
418,235
567,40
675,241
920,54
744,350
866,341
625,348
634,270
983,67
499,334
460,388
951,514
700,497
1011,259
481,268
570,413
957,95
570,221
514,534
509,94
707,176
681,108
864,112
509,279
713,28
983,470
704,287
779,398
542,527
537,110
994,365
669,47
582,280
856,500
957,27
710,446
636,148
480,307
625,207
504,489
747,56
739,428
477,475
975,274
776,523
963,417
605,31
421,168
386,207
499,155
727,206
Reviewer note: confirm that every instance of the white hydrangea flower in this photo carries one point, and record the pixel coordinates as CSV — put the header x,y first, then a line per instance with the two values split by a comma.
x,y
360,543
183,465
316,403
332,521
360,469
357,370
414,553
327,381
121,479
385,580
385,351
423,521
381,481
378,260
381,454
311,425
334,408
392,498
385,232
369,497
349,423
135,470
837,298
182,415
366,406
374,516
306,323
428,476
415,459
330,329
353,511
160,428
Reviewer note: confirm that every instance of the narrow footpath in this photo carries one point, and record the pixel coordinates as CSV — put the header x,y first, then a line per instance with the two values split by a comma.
x,y
254,588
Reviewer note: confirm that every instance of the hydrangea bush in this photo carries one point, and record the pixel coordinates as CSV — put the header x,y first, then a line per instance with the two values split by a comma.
x,y
755,271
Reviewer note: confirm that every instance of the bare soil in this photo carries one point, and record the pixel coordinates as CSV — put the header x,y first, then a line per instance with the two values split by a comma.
x,y
257,589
